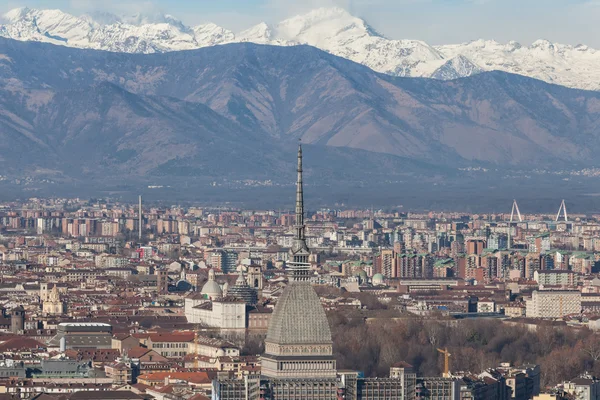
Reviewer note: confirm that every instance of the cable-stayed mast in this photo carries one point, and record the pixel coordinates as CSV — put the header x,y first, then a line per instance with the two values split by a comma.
x,y
515,207
563,208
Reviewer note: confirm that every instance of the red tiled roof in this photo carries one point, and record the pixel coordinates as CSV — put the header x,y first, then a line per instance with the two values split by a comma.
x,y
172,337
194,377
137,352
20,343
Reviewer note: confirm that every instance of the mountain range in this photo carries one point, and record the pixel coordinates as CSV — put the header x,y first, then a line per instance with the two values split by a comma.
x,y
330,29
237,111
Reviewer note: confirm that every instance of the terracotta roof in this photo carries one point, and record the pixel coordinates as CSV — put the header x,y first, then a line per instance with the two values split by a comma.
x,y
20,343
105,395
199,396
137,352
172,337
194,377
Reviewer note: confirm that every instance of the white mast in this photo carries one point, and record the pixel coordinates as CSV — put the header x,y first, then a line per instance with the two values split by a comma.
x,y
140,219
563,208
515,207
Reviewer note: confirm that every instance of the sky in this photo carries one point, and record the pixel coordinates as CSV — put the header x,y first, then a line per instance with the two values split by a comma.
x,y
434,21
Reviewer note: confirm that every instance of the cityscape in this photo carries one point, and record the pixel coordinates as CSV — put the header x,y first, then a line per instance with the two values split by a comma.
x,y
299,200
118,301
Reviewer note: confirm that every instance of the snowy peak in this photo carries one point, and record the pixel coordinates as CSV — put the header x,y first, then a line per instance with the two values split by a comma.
x,y
261,33
328,22
543,44
140,33
457,67
101,18
212,34
141,19
16,14
334,30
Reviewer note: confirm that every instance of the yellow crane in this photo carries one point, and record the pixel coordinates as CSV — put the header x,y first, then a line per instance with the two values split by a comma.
x,y
196,343
446,362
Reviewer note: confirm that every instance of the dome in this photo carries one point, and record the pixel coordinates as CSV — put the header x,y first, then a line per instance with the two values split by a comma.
x,y
241,290
378,279
211,288
299,318
183,286
362,275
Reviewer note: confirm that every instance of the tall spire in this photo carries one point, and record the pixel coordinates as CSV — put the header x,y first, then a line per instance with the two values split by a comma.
x,y
299,265
299,199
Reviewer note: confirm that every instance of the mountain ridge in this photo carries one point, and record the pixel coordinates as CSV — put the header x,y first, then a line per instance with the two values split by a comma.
x,y
331,29
259,94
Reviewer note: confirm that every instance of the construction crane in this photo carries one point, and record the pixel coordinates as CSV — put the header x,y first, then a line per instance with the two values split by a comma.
x,y
446,362
196,343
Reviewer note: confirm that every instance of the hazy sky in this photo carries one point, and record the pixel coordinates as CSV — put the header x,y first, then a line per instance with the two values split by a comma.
x,y
435,21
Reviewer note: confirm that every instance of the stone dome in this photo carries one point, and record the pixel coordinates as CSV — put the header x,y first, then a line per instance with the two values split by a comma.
x,y
299,318
211,288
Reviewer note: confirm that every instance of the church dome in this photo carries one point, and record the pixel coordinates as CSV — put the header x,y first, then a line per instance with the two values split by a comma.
x,y
378,279
211,288
299,318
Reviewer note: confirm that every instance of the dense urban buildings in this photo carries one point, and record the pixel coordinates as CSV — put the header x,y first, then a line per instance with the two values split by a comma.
x,y
239,304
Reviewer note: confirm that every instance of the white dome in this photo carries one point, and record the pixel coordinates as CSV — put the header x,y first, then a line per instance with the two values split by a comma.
x,y
211,288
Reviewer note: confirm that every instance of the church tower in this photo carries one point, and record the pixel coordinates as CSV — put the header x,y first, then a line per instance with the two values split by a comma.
x,y
17,320
298,346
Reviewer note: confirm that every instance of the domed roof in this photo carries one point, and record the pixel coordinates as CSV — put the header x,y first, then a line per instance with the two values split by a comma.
x,y
299,317
211,288
378,278
183,286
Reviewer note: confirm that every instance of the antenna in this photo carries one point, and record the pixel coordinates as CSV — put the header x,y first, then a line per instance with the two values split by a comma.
x,y
562,208
140,217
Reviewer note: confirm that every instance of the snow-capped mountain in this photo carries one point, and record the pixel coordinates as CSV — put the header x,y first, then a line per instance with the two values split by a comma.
x,y
331,29
572,66
135,34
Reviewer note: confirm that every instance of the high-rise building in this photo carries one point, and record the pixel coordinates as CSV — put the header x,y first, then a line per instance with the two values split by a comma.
x,y
553,303
475,246
388,263
497,241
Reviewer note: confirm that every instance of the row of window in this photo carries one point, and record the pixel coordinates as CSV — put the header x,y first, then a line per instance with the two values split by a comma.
x,y
169,345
